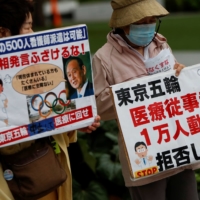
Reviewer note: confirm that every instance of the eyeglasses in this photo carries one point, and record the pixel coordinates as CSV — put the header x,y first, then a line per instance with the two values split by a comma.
x,y
141,150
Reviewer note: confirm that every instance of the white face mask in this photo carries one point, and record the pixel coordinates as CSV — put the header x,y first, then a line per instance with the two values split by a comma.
x,y
142,34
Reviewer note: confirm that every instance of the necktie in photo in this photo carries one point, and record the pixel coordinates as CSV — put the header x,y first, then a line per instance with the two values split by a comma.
x,y
144,161
79,95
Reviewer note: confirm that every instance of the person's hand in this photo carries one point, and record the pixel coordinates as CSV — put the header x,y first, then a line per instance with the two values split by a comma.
x,y
178,67
92,127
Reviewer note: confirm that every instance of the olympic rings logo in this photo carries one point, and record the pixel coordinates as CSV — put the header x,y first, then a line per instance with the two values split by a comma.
x,y
48,104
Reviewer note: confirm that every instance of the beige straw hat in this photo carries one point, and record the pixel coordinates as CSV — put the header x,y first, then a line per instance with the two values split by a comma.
x,y
126,12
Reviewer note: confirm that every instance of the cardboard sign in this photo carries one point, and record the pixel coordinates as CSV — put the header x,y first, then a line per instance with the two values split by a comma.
x,y
159,116
40,88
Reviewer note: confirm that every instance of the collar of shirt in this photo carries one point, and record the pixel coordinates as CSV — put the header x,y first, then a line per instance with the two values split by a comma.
x,y
82,92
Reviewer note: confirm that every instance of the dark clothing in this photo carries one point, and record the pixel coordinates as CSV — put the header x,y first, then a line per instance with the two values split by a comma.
x,y
181,186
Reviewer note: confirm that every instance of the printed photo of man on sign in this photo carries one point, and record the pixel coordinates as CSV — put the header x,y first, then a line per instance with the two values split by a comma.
x,y
78,76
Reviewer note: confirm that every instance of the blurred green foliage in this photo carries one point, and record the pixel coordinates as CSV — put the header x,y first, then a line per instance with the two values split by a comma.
x,y
182,5
182,31
171,5
95,165
197,175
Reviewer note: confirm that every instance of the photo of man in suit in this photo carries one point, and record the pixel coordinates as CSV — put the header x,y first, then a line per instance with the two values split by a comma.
x,y
75,72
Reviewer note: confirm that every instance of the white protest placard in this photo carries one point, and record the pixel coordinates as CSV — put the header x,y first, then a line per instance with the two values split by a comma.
x,y
159,116
38,94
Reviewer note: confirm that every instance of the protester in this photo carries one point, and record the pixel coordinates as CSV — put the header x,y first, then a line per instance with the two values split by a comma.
x,y
76,75
15,19
130,45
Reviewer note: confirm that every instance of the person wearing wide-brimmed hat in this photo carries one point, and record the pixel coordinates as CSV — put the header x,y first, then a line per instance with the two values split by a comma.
x,y
131,42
